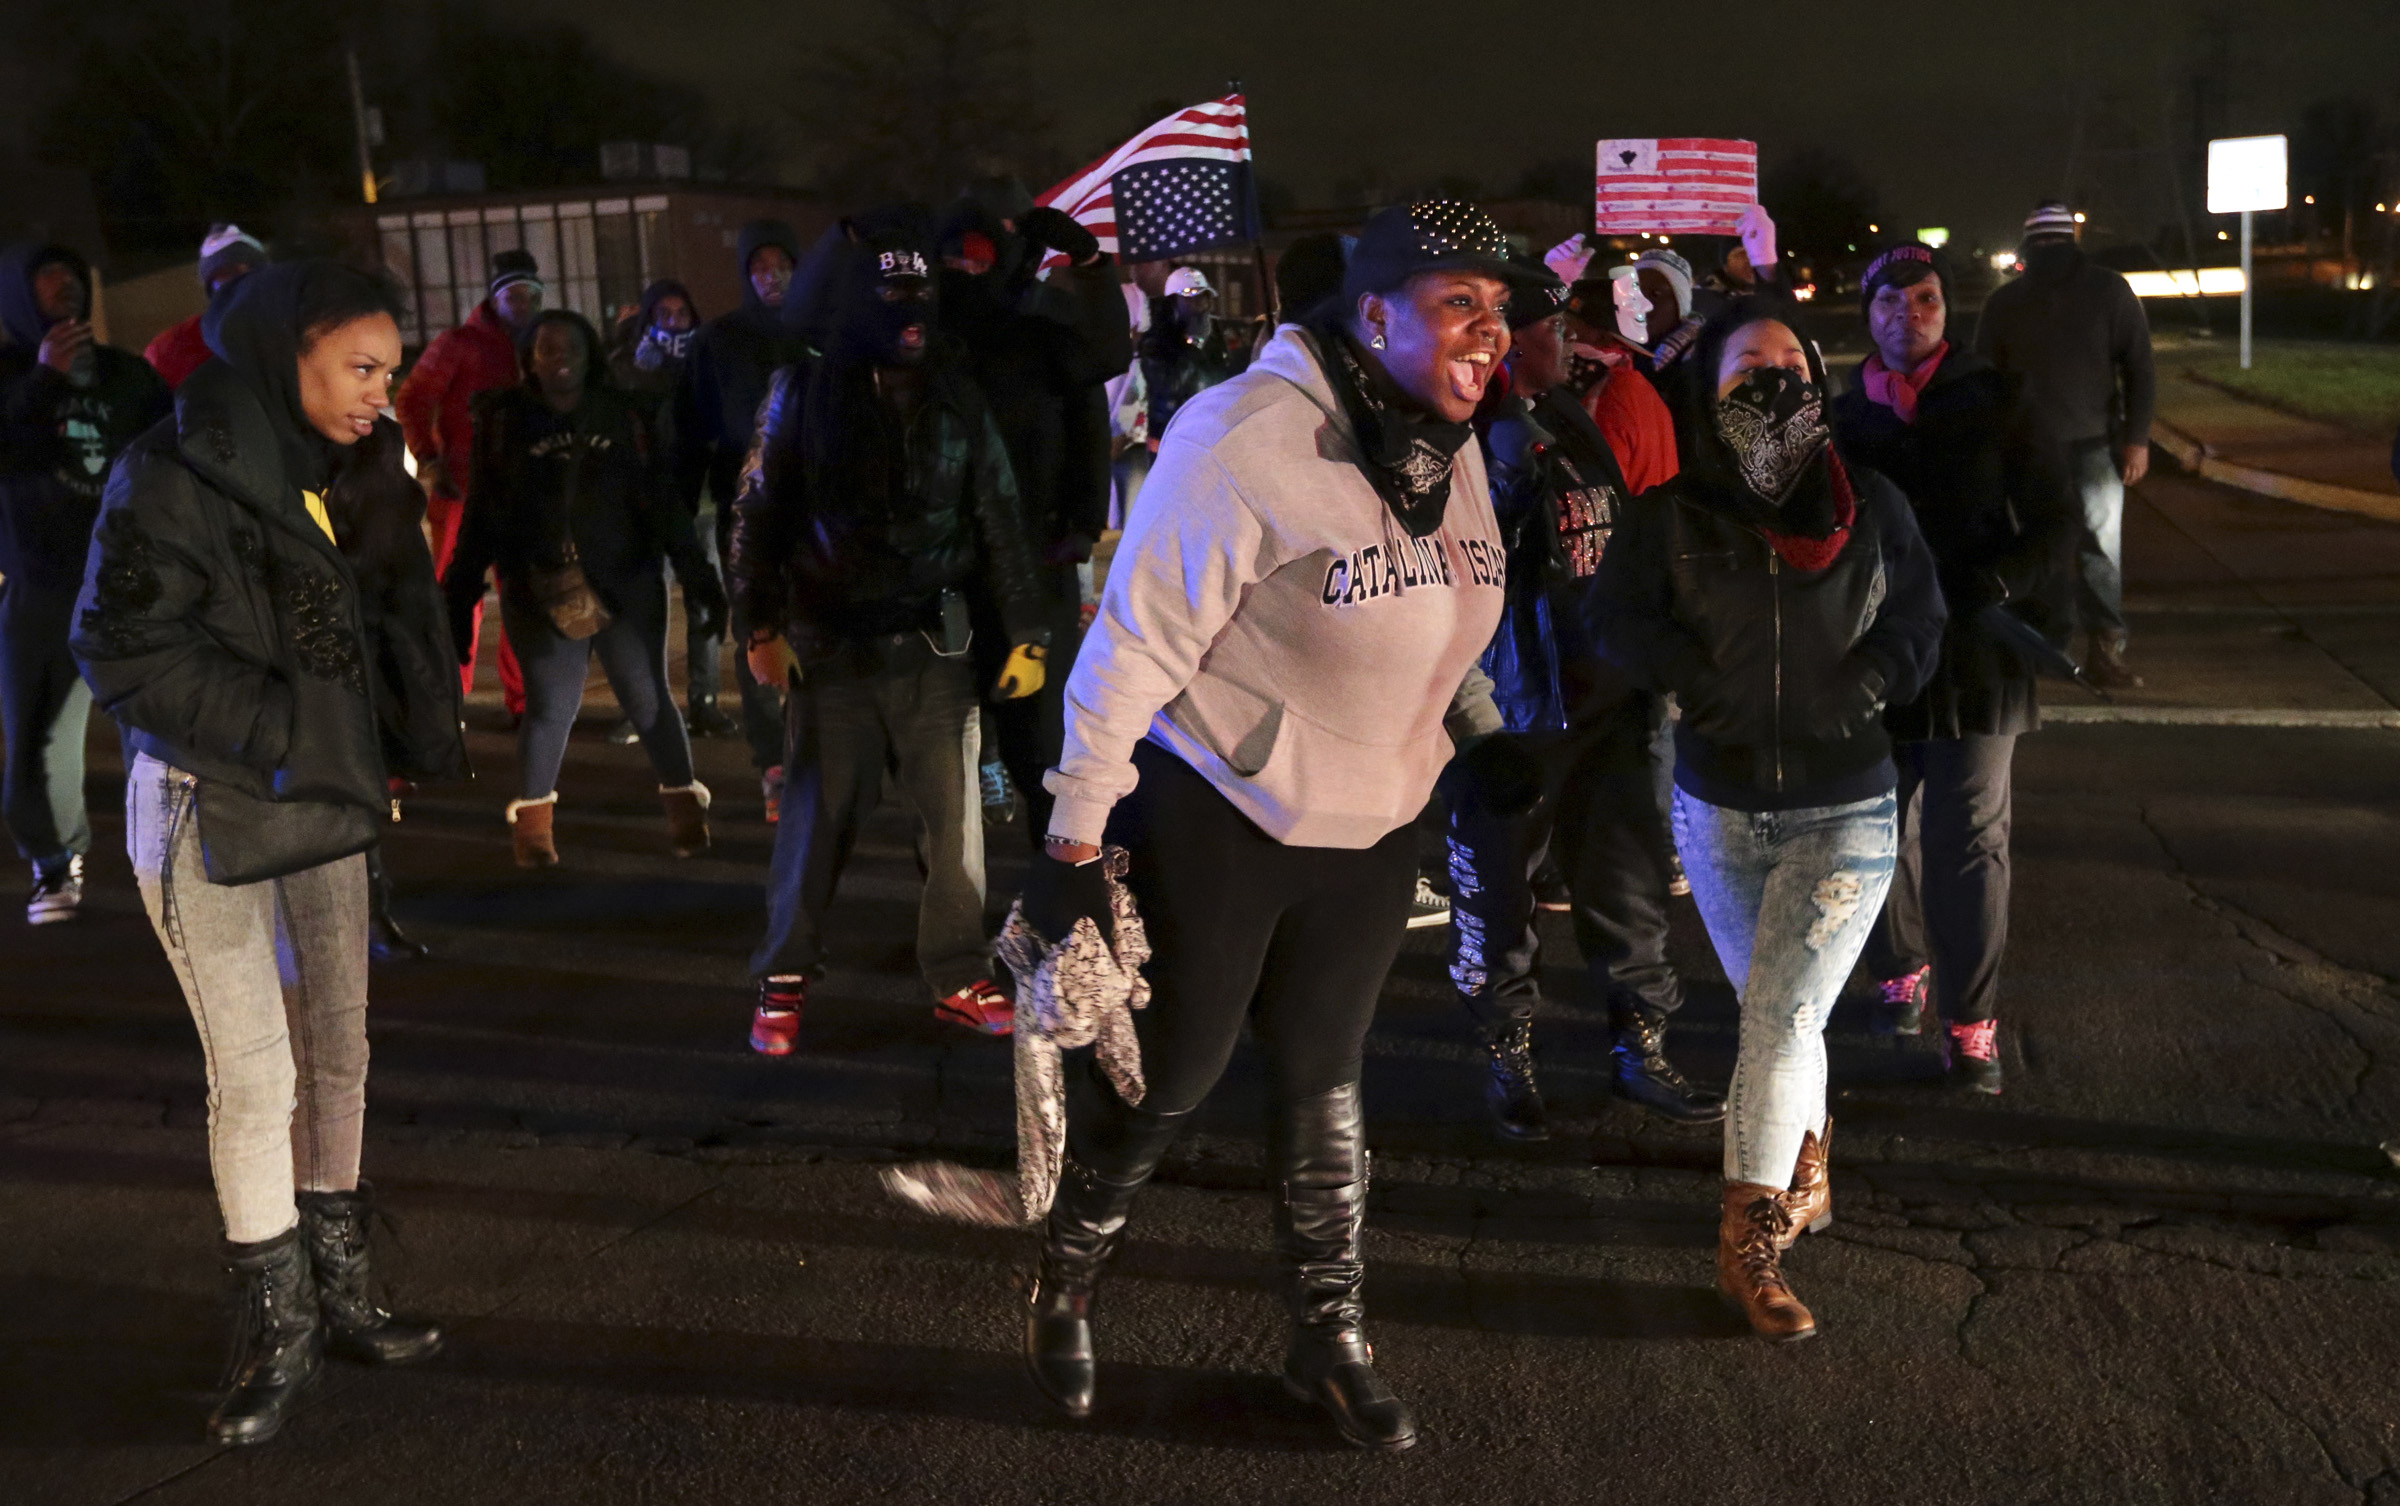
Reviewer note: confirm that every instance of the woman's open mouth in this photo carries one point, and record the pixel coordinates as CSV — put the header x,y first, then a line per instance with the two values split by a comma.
x,y
913,337
1469,374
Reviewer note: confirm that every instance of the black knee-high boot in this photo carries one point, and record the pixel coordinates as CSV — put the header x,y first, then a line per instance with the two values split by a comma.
x,y
386,942
1319,1154
1111,1150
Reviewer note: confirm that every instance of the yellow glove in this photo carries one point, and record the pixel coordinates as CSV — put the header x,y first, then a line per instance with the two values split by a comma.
x,y
772,661
1022,675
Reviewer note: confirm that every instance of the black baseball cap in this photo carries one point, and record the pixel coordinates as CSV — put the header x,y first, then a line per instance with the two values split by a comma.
x,y
1428,236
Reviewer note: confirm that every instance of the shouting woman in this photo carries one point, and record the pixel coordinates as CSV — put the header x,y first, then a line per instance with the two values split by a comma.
x,y
1257,718
1784,596
221,626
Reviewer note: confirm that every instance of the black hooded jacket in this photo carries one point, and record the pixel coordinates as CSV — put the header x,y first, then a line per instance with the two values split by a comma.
x,y
221,626
1989,498
1043,351
733,359
666,392
58,439
1781,673
2072,329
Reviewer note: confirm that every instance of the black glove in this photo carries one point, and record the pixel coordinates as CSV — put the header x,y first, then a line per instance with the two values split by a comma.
x,y
1044,226
462,624
1058,894
705,611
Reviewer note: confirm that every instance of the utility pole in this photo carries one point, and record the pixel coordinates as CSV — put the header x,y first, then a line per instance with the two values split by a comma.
x,y
2245,290
358,125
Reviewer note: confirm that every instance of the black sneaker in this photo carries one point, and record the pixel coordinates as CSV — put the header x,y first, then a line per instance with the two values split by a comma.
x,y
58,895
705,719
1428,907
1550,890
624,732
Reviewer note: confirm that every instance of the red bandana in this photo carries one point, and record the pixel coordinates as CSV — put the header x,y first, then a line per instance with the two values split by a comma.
x,y
1811,555
1898,390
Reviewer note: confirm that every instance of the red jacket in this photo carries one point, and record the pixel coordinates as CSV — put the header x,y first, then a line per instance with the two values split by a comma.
x,y
475,357
1639,429
178,351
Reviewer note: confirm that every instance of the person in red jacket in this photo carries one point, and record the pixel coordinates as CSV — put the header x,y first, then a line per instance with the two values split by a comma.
x,y
228,253
435,415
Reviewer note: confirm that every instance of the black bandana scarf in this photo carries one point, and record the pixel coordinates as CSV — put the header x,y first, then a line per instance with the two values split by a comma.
x,y
1774,422
1405,455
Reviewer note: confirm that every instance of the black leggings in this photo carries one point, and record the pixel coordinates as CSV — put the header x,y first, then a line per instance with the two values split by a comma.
x,y
1298,940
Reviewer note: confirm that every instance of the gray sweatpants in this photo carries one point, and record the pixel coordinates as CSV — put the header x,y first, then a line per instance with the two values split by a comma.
x,y
276,977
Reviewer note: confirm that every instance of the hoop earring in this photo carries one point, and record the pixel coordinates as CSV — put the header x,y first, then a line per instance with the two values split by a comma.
x,y
1376,343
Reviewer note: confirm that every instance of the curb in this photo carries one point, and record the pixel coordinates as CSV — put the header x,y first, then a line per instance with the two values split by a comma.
x,y
2214,716
2198,459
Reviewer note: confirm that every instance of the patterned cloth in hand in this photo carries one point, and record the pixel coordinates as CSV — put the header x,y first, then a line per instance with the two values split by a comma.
x,y
1081,992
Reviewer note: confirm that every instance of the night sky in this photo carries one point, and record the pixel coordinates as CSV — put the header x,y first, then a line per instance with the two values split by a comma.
x,y
1959,115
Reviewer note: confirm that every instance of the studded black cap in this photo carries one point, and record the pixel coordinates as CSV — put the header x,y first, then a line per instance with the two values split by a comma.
x,y
1431,235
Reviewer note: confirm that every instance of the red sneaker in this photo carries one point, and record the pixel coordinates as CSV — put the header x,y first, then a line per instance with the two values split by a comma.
x,y
982,1006
775,1025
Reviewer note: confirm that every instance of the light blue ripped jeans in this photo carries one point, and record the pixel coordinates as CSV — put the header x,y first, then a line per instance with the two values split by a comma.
x,y
1788,898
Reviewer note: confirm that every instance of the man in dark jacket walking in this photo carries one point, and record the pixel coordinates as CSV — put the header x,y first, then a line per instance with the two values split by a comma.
x,y
2076,335
1951,431
1569,777
879,493
68,405
1042,351
733,359
1185,351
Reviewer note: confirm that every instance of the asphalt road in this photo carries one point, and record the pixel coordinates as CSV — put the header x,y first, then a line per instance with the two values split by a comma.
x,y
2165,1266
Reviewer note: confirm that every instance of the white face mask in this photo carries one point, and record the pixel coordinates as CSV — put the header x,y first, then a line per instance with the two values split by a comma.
x,y
1633,307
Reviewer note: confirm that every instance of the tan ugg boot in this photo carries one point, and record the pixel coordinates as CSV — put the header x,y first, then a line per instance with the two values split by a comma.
x,y
687,818
529,831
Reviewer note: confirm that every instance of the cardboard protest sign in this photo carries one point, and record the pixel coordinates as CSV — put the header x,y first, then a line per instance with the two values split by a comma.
x,y
1693,184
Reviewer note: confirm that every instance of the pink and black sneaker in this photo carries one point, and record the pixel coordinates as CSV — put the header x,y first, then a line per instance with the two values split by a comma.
x,y
1904,1001
1975,1055
775,1025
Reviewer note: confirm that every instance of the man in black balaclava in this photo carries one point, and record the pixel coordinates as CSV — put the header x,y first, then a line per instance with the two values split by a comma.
x,y
68,405
1043,350
879,498
653,362
733,358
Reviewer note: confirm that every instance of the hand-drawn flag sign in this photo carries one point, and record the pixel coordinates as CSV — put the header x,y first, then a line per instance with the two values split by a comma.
x,y
1674,183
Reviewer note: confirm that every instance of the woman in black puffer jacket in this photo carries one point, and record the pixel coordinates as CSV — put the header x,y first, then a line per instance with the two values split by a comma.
x,y
1950,431
222,628
1783,595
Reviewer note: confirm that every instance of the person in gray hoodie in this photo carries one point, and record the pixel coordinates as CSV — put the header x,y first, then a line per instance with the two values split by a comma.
x,y
1256,719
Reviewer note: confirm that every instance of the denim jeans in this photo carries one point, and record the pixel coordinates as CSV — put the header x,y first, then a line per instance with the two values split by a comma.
x,y
633,652
275,974
889,704
44,709
2100,543
1788,897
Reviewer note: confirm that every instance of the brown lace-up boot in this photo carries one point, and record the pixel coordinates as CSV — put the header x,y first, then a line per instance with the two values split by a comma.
x,y
1809,1203
1750,1241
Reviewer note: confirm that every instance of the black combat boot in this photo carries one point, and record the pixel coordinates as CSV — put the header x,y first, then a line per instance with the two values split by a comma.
x,y
1646,1077
278,1345
356,1328
1318,1146
1512,1095
1112,1149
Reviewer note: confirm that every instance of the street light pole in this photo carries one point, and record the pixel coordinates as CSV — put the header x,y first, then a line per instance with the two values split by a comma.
x,y
2246,290
358,126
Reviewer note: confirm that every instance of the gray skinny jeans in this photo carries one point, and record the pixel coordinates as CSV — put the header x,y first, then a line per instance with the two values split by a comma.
x,y
1788,898
276,976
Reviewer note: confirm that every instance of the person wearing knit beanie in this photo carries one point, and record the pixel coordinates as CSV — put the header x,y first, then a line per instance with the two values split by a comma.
x,y
227,254
2051,220
516,287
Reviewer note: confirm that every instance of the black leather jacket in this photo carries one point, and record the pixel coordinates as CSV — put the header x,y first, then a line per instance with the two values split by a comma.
x,y
1780,672
221,627
825,570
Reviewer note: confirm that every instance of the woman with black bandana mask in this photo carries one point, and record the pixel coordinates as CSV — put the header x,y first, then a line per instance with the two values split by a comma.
x,y
1784,596
1256,719
221,626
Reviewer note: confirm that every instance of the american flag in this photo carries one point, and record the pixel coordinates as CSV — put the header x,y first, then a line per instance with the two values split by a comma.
x,y
1181,185
1687,183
